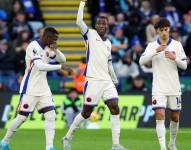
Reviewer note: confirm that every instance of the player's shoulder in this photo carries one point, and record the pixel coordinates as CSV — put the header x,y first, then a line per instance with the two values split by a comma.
x,y
175,42
89,31
152,44
33,43
33,47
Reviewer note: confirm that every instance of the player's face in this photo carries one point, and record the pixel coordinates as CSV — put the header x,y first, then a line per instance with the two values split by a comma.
x,y
164,32
49,40
101,26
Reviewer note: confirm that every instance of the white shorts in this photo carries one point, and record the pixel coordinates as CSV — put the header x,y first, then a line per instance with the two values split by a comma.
x,y
94,90
28,103
172,102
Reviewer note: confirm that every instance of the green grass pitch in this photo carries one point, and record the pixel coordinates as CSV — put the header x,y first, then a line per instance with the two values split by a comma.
x,y
139,139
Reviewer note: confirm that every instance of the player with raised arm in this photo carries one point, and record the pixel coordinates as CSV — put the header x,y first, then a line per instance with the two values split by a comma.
x,y
100,78
166,56
34,89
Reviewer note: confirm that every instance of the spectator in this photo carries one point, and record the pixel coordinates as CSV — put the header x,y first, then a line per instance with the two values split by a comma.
x,y
186,27
3,30
119,44
150,30
79,76
20,58
31,10
170,13
121,22
126,68
23,37
135,27
7,64
175,34
15,9
71,106
20,24
146,11
138,85
7,58
111,23
136,49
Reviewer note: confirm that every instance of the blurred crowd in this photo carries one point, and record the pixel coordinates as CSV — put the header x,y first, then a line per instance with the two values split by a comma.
x,y
131,27
20,24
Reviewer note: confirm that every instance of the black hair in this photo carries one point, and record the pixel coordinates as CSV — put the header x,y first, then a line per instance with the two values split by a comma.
x,y
101,17
49,31
163,22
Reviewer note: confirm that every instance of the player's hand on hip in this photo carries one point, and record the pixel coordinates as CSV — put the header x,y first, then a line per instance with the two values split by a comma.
x,y
67,69
170,55
160,48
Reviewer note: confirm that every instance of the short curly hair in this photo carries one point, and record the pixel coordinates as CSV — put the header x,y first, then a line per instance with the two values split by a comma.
x,y
163,22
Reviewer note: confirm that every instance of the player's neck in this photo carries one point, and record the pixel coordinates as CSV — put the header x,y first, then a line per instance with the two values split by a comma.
x,y
164,41
104,37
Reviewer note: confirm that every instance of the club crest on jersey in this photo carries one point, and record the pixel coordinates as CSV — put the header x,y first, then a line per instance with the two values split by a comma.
x,y
88,99
25,106
154,102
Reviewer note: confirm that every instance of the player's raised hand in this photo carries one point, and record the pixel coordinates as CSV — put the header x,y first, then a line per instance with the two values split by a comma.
x,y
170,55
161,48
67,69
53,47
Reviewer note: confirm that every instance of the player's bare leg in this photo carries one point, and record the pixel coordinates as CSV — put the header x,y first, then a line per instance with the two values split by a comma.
x,y
160,127
174,126
115,123
85,114
16,123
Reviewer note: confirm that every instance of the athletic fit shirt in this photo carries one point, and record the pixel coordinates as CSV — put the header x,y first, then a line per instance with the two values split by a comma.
x,y
98,53
35,81
165,71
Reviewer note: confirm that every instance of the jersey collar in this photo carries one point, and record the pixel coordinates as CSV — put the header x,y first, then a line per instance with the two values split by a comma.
x,y
169,41
40,43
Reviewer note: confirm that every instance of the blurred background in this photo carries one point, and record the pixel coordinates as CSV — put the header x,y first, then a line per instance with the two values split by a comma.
x,y
131,27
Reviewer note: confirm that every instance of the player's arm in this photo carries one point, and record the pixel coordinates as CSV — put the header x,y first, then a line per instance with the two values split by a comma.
x,y
80,23
181,59
147,56
47,67
59,56
41,66
112,72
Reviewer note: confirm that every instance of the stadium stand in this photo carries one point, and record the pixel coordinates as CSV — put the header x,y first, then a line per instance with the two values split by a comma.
x,y
131,27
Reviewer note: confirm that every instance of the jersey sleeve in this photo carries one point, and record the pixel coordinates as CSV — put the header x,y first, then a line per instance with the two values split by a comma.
x,y
181,59
110,56
80,22
146,57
